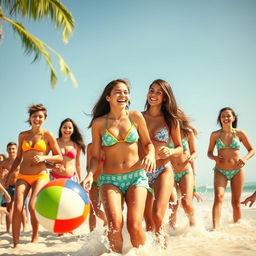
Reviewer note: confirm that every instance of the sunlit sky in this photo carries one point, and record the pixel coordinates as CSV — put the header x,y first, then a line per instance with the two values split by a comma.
x,y
206,50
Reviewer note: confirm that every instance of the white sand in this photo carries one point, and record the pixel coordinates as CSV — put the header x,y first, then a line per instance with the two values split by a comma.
x,y
48,244
232,239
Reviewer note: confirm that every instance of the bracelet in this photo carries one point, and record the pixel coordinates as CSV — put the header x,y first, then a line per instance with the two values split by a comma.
x,y
194,189
51,164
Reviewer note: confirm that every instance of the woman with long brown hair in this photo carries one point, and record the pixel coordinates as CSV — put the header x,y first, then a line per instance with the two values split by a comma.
x,y
161,119
116,131
71,144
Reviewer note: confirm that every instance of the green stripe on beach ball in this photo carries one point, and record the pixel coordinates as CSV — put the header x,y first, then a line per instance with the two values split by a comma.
x,y
47,202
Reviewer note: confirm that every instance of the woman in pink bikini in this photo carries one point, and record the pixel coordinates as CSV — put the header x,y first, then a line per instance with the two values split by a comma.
x,y
71,144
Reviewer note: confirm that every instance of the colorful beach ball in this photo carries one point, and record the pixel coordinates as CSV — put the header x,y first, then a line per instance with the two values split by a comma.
x,y
62,205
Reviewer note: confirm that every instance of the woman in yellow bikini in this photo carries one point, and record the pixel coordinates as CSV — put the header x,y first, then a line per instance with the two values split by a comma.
x,y
32,158
116,131
228,162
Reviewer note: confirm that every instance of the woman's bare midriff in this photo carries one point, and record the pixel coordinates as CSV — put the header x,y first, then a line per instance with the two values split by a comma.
x,y
28,167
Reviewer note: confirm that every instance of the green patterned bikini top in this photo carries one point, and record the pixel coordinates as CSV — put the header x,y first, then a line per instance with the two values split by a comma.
x,y
184,142
108,139
235,143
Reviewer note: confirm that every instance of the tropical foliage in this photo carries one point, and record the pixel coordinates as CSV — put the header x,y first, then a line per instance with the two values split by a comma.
x,y
37,10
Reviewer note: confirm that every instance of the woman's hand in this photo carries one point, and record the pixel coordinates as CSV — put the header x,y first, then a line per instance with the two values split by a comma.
x,y
241,162
218,159
149,163
87,182
198,197
189,158
38,159
164,152
60,167
251,200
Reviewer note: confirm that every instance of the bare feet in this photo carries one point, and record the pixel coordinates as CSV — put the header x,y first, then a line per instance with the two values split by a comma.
x,y
34,238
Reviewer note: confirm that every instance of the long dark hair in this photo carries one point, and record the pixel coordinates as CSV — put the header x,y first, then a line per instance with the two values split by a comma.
x,y
102,106
234,123
169,106
76,136
185,123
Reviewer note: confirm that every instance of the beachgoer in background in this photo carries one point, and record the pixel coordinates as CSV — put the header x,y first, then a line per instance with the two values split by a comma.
x,y
94,192
229,165
8,199
251,200
2,157
196,194
5,167
71,144
183,167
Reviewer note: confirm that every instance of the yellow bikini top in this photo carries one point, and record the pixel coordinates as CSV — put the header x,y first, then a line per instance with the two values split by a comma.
x,y
39,145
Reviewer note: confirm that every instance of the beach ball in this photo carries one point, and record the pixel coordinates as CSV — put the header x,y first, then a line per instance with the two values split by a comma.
x,y
62,205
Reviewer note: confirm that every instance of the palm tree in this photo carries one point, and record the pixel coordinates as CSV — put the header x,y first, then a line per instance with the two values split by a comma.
x,y
36,10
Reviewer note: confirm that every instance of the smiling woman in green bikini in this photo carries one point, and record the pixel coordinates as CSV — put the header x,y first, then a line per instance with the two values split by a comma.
x,y
116,131
228,162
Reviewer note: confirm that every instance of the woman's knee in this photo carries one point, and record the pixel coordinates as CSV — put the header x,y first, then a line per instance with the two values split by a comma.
x,y
134,227
187,204
158,216
31,207
218,198
18,208
236,203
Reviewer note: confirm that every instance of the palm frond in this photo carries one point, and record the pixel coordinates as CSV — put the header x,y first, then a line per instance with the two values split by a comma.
x,y
8,4
39,48
39,9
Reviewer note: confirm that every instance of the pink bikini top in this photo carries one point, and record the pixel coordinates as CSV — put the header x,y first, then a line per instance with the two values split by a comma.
x,y
71,154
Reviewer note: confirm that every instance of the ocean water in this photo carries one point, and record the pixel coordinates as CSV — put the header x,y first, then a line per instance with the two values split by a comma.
x,y
248,188
201,240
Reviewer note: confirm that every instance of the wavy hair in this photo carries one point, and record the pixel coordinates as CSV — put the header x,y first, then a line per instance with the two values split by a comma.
x,y
169,106
76,136
185,124
102,106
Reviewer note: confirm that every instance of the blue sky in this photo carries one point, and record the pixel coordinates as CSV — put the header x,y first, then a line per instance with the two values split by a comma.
x,y
205,49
